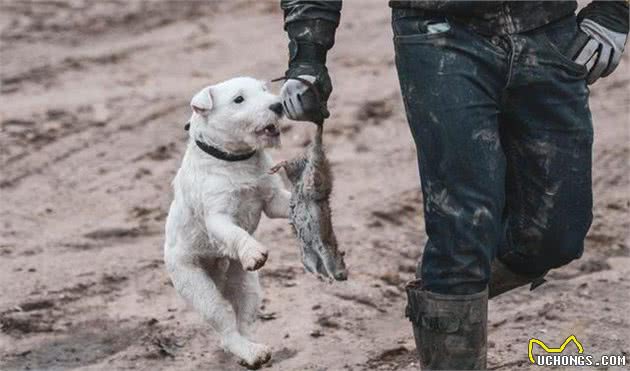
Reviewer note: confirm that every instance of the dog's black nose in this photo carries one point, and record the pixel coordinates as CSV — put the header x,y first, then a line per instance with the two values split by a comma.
x,y
277,108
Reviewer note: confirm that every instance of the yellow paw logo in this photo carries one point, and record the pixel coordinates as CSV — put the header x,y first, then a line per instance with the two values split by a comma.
x,y
547,349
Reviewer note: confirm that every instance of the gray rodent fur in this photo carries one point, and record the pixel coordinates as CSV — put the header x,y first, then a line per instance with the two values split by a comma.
x,y
309,214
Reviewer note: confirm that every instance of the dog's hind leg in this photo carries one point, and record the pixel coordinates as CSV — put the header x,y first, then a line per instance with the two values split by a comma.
x,y
197,287
242,289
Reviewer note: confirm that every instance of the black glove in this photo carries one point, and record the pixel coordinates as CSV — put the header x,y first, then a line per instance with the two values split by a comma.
x,y
599,46
306,91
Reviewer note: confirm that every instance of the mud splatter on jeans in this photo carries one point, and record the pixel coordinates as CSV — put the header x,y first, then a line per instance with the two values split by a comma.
x,y
504,136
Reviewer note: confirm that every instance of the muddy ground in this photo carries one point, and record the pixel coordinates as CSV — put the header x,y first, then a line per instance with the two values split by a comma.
x,y
94,99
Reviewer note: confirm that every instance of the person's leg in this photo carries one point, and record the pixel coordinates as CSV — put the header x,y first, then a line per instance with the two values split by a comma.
x,y
451,80
547,135
451,83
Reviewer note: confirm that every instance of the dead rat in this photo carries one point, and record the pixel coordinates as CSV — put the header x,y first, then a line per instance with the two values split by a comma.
x,y
309,210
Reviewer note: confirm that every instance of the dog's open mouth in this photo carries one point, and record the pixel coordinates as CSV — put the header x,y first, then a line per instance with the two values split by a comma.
x,y
270,130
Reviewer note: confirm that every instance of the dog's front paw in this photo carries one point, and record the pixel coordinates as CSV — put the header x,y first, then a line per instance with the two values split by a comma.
x,y
254,258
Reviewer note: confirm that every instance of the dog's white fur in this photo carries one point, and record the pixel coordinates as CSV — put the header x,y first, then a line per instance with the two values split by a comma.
x,y
209,250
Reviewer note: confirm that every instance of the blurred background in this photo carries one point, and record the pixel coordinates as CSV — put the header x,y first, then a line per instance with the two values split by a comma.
x,y
94,98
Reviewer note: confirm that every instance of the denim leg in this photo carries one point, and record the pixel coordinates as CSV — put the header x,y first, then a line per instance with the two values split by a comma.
x,y
451,84
547,135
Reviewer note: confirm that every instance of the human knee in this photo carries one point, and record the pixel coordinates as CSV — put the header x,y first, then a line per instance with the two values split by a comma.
x,y
567,250
540,250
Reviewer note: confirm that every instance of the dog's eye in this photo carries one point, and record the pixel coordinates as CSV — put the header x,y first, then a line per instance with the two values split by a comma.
x,y
239,99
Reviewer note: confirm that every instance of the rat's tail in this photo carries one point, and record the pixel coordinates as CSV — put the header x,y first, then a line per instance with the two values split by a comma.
x,y
319,134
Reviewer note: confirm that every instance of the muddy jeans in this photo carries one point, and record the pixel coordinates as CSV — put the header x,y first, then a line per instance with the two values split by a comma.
x,y
504,136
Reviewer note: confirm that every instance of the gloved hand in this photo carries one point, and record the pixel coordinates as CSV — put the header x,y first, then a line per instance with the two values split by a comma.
x,y
305,96
598,48
604,29
309,42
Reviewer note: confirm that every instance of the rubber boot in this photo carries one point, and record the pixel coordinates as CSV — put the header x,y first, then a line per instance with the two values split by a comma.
x,y
450,330
503,279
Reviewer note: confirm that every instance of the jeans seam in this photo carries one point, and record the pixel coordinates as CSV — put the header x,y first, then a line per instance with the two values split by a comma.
x,y
511,63
518,190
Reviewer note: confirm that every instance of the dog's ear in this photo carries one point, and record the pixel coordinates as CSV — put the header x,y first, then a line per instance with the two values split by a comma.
x,y
201,103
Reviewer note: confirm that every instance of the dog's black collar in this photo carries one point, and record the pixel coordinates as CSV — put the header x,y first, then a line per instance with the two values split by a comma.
x,y
221,155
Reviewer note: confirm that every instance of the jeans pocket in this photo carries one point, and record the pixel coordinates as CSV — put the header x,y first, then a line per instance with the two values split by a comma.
x,y
559,37
420,28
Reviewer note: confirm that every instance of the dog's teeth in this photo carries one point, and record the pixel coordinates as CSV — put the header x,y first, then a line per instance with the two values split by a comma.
x,y
270,129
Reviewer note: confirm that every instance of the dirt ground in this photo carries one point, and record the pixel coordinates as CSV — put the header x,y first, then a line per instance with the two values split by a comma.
x,y
94,98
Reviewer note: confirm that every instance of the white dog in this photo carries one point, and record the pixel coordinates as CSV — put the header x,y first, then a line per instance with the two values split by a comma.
x,y
221,189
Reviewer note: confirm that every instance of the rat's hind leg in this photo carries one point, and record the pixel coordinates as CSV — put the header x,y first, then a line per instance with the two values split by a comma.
x,y
293,167
277,167
195,285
